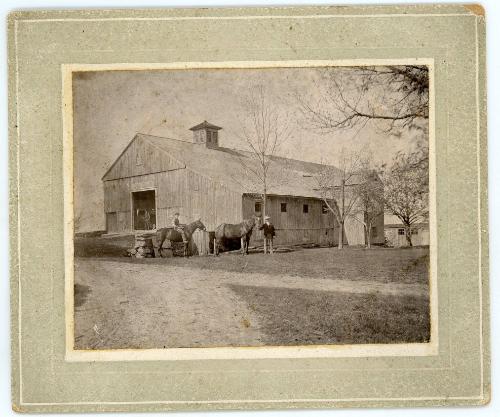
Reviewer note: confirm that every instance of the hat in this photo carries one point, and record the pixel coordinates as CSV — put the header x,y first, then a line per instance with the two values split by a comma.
x,y
177,213
267,218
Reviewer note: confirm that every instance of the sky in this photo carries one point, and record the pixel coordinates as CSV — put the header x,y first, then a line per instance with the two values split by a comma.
x,y
110,107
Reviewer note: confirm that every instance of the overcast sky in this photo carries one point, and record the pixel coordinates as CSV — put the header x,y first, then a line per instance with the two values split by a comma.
x,y
110,107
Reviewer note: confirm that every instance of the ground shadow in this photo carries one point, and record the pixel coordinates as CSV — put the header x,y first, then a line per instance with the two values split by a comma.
x,y
81,294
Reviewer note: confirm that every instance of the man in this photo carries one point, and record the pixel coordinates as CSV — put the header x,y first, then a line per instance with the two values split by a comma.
x,y
269,234
176,224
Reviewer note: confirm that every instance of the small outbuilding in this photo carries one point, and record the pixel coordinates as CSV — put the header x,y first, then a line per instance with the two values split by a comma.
x,y
395,232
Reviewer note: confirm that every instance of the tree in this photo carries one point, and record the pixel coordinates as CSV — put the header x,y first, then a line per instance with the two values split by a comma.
x,y
336,186
370,192
394,97
264,129
406,190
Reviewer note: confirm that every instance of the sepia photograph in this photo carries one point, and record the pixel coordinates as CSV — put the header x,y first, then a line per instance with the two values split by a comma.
x,y
249,207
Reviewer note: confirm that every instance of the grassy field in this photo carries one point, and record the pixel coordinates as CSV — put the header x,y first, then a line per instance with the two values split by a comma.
x,y
309,296
406,265
303,317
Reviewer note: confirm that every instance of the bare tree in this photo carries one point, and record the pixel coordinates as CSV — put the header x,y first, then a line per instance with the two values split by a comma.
x,y
336,186
370,192
264,129
394,97
406,190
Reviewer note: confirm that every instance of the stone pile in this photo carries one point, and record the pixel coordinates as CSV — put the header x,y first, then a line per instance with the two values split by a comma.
x,y
143,247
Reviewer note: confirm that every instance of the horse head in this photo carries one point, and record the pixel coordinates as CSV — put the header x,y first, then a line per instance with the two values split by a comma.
x,y
199,225
252,222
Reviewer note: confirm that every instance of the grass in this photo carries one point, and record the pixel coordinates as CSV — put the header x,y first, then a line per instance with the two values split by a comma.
x,y
304,317
357,264
97,247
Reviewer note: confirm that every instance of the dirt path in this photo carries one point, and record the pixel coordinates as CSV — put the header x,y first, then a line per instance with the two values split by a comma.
x,y
129,305
133,306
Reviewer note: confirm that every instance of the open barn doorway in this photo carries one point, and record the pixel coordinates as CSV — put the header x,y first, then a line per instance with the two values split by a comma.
x,y
144,209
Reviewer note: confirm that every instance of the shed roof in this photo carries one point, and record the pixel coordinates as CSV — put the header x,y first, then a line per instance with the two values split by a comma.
x,y
290,177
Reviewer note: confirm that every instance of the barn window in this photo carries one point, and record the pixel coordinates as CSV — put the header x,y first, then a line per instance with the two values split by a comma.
x,y
258,207
414,231
324,208
283,207
401,232
305,208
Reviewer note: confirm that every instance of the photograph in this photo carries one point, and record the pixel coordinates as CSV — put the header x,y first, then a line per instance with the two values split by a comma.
x,y
251,206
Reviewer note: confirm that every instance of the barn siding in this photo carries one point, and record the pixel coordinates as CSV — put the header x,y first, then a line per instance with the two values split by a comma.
x,y
179,190
294,226
141,158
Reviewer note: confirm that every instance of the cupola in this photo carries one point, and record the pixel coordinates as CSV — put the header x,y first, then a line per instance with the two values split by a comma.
x,y
206,133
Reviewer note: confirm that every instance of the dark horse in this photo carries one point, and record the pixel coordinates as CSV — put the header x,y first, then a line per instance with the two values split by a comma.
x,y
175,236
241,230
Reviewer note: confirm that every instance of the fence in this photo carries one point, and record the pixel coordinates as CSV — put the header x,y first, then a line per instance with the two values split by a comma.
x,y
201,243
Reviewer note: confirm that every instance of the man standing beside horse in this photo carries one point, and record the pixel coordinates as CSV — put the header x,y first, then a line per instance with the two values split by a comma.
x,y
269,233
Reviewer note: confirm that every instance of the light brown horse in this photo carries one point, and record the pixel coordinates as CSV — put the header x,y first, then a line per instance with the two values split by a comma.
x,y
241,230
174,236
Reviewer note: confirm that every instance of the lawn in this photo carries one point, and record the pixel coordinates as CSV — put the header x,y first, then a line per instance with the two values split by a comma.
x,y
304,317
404,265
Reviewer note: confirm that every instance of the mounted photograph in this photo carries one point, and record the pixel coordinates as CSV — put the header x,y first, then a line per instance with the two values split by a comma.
x,y
248,208
251,207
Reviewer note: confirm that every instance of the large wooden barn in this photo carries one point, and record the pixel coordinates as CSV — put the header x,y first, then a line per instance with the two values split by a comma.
x,y
155,177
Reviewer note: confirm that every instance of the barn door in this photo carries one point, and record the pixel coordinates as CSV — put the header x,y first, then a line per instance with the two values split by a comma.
x,y
144,210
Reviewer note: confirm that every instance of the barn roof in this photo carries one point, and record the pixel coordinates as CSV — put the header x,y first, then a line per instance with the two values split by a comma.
x,y
227,166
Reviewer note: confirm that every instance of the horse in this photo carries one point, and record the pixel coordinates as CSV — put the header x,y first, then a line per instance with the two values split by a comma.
x,y
241,230
174,236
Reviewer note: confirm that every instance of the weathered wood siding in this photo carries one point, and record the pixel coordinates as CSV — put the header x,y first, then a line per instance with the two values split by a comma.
x,y
294,226
178,190
141,158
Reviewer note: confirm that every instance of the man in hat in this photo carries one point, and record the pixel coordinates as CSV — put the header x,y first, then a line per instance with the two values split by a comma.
x,y
269,234
176,224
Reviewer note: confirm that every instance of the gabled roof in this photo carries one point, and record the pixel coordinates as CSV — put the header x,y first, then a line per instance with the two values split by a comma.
x,y
205,125
233,167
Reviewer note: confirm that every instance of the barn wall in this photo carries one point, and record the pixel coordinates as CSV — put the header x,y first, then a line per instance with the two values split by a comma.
x,y
141,158
295,226
354,232
179,190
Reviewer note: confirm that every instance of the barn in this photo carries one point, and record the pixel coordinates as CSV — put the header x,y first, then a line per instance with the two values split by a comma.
x,y
155,177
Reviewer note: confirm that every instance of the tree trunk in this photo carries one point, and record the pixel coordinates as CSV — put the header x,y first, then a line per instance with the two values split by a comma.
x,y
408,235
264,203
342,210
341,235
368,237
